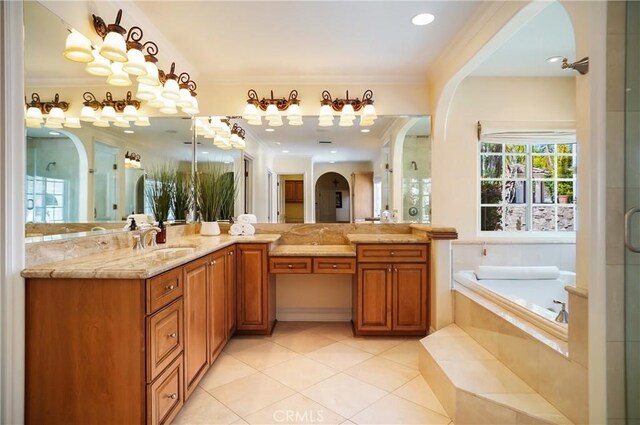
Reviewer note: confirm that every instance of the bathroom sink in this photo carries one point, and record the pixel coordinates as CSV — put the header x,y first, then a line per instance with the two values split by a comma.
x,y
172,252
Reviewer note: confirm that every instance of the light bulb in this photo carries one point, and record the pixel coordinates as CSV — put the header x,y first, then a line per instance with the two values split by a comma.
x,y
151,76
114,47
130,113
87,114
78,48
118,77
100,65
72,122
171,91
135,64
108,114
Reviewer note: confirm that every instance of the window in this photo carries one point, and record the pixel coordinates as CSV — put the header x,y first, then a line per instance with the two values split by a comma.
x,y
527,187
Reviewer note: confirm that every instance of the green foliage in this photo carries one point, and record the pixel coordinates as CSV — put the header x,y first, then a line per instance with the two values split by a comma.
x,y
160,190
216,189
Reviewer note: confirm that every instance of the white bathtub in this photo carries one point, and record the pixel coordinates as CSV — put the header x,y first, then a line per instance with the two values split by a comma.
x,y
531,300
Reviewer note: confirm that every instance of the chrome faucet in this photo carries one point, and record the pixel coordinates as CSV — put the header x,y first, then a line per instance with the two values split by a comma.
x,y
143,236
563,316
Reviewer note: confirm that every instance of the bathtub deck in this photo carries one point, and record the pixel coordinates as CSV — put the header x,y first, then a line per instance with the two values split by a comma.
x,y
474,387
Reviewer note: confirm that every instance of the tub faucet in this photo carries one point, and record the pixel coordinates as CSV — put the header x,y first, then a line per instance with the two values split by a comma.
x,y
563,316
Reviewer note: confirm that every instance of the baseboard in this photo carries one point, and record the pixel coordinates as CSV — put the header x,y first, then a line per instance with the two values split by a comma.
x,y
313,314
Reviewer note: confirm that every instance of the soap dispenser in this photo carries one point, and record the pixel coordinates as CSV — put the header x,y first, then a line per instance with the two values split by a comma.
x,y
161,236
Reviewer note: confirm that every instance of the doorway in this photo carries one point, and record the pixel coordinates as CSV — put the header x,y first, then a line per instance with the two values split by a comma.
x,y
332,199
105,182
291,198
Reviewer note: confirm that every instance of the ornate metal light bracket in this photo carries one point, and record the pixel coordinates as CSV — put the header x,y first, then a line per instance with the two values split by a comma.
x,y
102,29
119,105
582,66
282,103
45,107
337,104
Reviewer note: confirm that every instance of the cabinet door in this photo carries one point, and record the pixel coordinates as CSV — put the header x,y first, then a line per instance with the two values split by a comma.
x,y
195,321
252,287
410,297
217,303
231,291
374,297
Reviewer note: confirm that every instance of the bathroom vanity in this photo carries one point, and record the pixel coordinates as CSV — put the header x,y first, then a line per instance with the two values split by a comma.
x,y
119,337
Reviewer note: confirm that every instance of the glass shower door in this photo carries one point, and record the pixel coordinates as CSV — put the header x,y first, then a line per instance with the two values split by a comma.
x,y
632,216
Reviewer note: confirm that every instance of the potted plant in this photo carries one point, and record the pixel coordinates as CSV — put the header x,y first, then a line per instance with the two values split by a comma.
x,y
160,189
182,197
216,189
565,192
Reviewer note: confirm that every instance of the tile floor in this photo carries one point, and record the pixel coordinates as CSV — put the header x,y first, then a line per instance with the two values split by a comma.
x,y
313,372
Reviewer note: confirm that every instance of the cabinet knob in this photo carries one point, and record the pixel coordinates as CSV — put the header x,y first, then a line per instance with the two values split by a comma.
x,y
290,266
334,266
170,287
173,396
172,335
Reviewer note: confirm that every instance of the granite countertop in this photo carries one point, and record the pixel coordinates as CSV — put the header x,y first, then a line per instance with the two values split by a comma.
x,y
385,238
125,263
313,250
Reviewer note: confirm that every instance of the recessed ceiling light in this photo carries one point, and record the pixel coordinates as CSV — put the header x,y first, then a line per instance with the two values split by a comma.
x,y
422,19
129,131
365,130
285,151
554,59
334,151
269,129
205,153
54,133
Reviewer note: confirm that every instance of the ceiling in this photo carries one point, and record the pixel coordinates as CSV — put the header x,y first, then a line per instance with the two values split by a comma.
x,y
550,33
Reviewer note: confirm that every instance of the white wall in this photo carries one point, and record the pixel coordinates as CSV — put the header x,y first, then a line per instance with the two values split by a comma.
x,y
455,163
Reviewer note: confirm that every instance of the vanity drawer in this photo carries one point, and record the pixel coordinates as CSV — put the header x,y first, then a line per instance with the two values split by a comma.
x,y
289,265
164,339
165,397
397,253
163,289
334,265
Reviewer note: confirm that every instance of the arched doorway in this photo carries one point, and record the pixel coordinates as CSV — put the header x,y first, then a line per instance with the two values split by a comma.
x,y
333,199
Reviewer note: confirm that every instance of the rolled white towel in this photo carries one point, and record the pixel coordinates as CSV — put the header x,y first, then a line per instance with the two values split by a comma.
x,y
517,273
236,229
248,229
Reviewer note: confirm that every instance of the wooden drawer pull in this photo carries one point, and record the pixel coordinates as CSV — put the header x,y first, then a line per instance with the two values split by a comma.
x,y
173,396
172,335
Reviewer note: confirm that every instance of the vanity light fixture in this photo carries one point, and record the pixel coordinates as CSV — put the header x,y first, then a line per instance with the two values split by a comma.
x,y
347,108
78,48
272,107
54,110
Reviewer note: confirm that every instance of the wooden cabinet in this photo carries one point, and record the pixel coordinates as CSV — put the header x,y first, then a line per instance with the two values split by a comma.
x,y
196,360
256,290
391,297
217,303
231,290
294,191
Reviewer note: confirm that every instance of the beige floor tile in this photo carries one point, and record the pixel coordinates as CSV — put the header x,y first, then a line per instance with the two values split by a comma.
x,y
296,409
395,410
265,355
483,376
202,408
344,394
239,343
339,356
300,373
251,393
302,342
405,353
225,369
335,330
385,374
418,391
373,345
